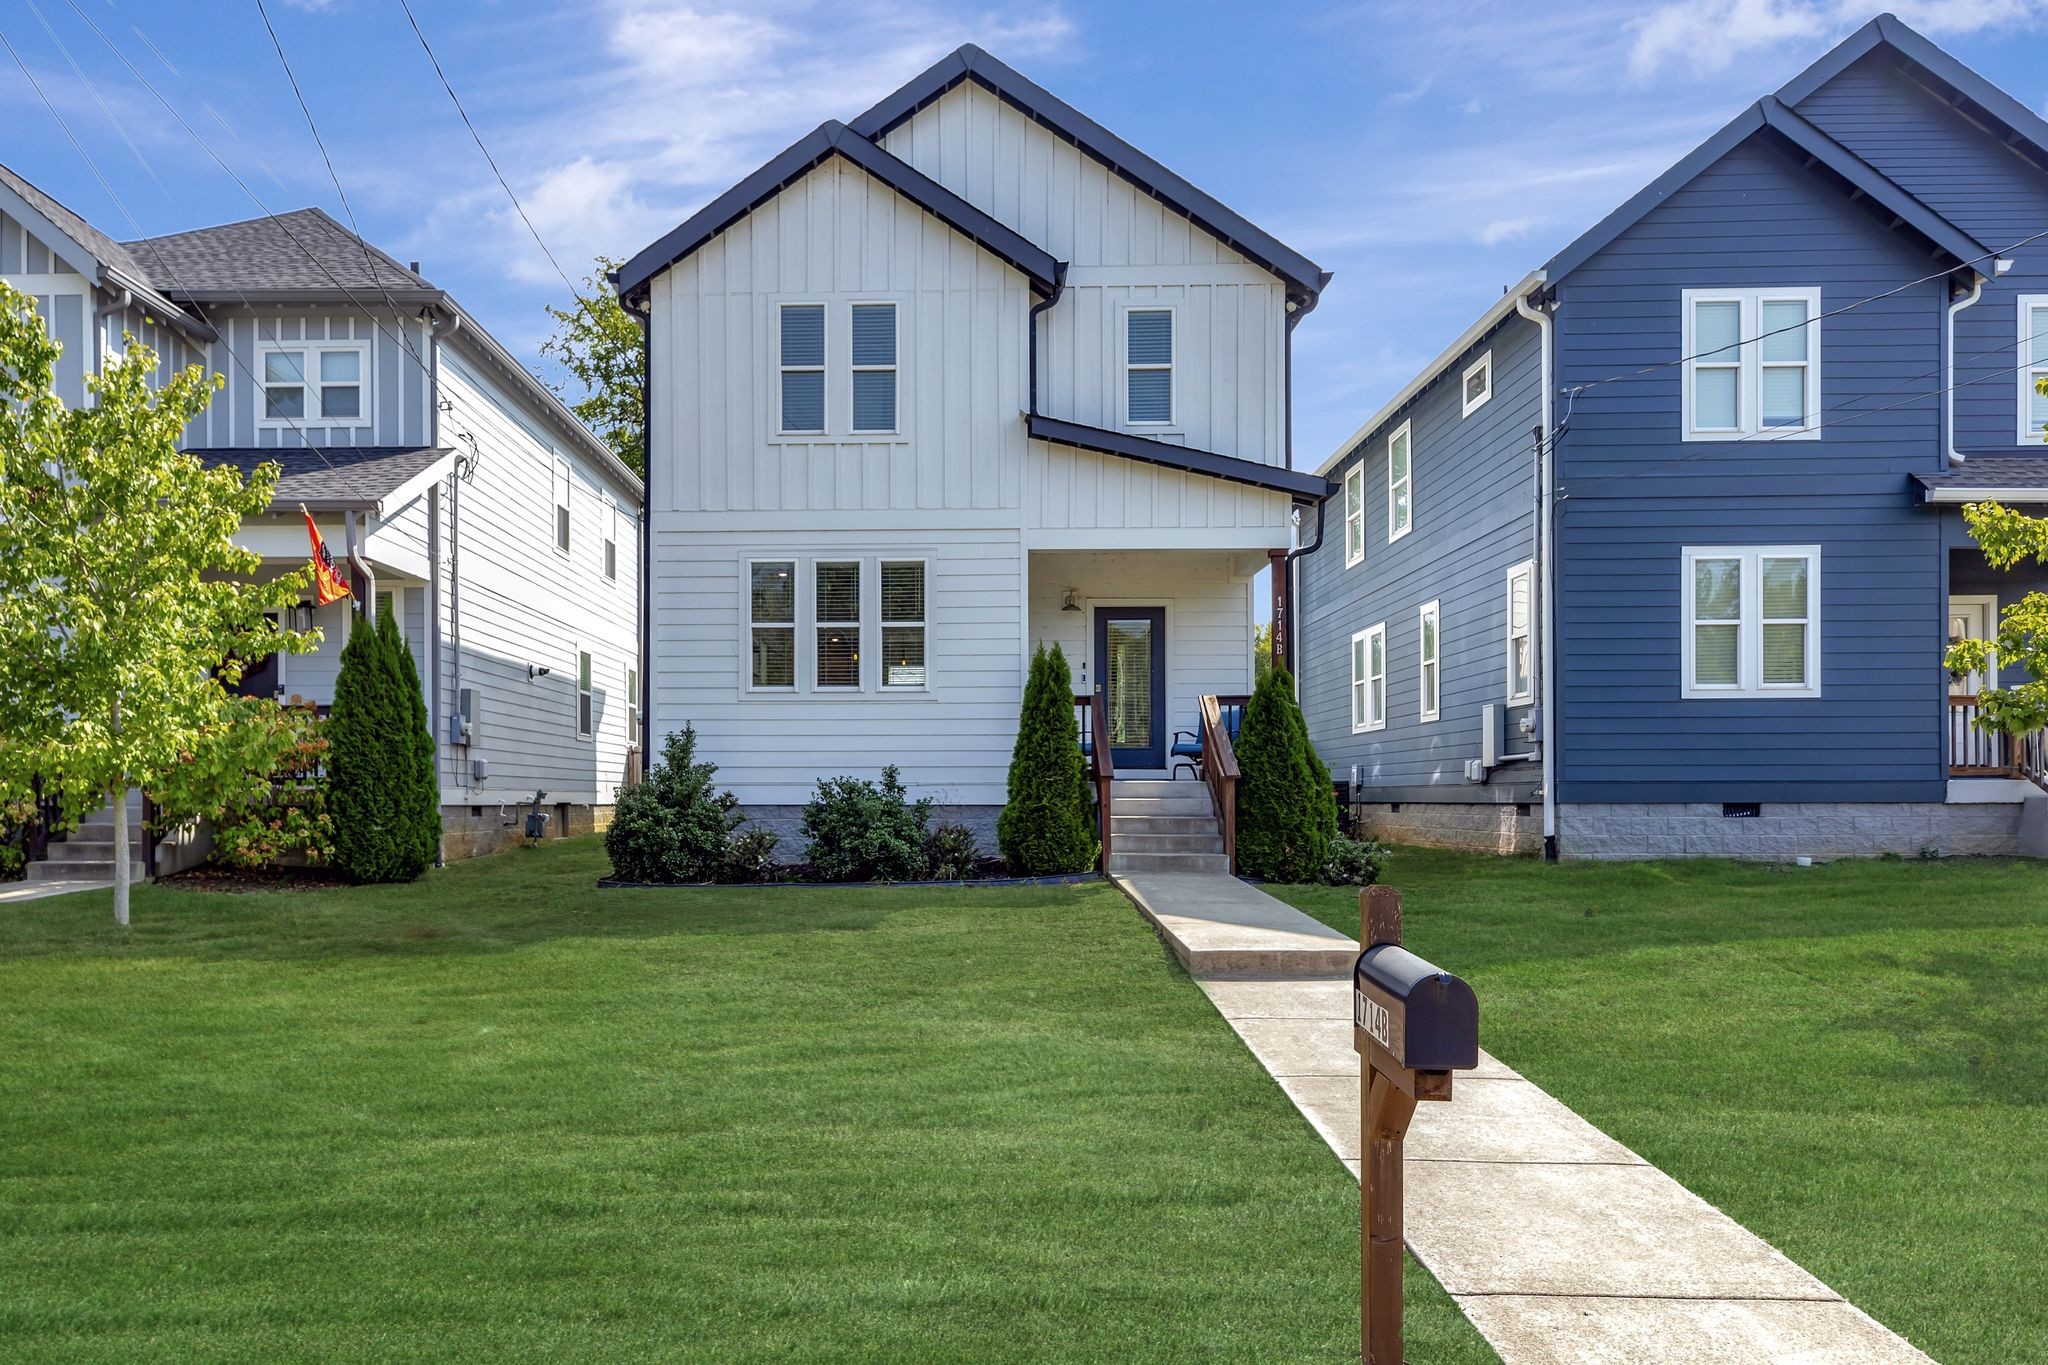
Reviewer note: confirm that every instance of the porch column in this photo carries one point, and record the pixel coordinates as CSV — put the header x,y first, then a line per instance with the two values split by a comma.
x,y
1278,560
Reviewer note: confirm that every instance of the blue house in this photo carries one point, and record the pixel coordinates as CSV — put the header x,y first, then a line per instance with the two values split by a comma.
x,y
1659,557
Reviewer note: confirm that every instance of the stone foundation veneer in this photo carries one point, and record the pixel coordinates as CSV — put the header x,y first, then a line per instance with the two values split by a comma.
x,y
788,824
1470,827
1783,831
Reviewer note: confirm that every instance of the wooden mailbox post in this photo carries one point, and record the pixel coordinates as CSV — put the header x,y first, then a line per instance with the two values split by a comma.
x,y
1412,1025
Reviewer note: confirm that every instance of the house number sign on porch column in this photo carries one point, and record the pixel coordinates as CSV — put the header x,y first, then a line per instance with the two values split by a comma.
x,y
1412,1026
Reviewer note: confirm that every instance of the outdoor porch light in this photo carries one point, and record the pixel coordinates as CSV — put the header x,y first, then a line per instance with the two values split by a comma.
x,y
537,671
1072,601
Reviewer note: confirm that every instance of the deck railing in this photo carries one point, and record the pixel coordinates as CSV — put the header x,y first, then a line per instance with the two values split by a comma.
x,y
1219,769
1976,752
1101,766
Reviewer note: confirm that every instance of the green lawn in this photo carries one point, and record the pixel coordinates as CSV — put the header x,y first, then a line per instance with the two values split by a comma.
x,y
501,1115
1852,1060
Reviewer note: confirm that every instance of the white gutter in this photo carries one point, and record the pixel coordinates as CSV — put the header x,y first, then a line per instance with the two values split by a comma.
x,y
1545,560
1430,372
1948,417
1963,495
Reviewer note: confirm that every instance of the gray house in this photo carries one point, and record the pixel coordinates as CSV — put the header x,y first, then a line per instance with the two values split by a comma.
x,y
1660,556
451,485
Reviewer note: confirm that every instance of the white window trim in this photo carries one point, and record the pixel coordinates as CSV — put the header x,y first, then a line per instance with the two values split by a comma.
x,y
1469,404
1525,570
1172,368
794,625
311,350
563,501
583,735
608,547
1400,433
818,623
1354,481
923,623
1362,717
895,367
2028,435
1748,364
1429,698
823,369
1749,684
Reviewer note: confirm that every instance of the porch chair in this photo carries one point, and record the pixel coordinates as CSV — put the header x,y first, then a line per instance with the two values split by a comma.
x,y
1187,744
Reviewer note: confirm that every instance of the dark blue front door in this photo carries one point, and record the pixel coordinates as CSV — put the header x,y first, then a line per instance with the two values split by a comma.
x,y
1130,683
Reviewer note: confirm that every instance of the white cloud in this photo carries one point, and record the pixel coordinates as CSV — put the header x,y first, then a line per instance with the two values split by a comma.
x,y
1505,230
1704,37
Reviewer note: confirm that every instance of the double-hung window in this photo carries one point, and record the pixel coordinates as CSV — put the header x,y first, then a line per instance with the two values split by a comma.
x,y
1521,634
318,384
1354,515
1400,485
611,541
1478,384
1429,678
802,350
1752,622
1752,364
874,367
585,711
1369,679
903,623
1148,366
772,619
838,622
561,506
2033,368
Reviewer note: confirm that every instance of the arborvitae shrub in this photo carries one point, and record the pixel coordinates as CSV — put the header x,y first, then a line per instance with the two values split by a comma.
x,y
675,826
423,785
1047,826
371,762
1286,812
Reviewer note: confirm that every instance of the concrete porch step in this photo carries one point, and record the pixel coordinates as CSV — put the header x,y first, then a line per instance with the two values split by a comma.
x,y
1183,806
1155,786
1121,825
1186,864
1148,842
83,869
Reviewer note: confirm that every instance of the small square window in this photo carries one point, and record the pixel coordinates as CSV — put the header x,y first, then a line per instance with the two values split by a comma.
x,y
1478,384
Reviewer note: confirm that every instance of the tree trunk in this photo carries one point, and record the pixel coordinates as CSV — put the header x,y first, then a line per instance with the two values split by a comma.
x,y
118,794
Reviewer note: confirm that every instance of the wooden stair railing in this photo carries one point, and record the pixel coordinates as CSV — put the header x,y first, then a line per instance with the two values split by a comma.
x,y
1976,752
1101,767
1219,771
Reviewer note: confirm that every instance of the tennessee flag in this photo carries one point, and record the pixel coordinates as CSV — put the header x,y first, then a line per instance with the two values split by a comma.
x,y
327,584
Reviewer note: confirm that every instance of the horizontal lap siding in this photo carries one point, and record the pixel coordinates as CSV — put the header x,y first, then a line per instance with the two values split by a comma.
x,y
1473,504
1963,173
1633,494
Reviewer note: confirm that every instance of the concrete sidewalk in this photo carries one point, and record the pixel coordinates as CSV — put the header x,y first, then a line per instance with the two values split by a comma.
x,y
1558,1242
15,892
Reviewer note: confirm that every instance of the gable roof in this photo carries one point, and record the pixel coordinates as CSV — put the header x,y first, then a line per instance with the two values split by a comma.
x,y
1304,278
834,138
1847,171
110,263
305,254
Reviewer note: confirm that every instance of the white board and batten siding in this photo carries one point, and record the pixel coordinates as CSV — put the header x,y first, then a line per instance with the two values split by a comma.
x,y
83,321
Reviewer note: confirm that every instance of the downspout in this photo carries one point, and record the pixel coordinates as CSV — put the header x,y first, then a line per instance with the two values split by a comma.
x,y
1545,513
367,598
1294,317
1949,358
1059,287
1294,588
436,703
455,559
646,701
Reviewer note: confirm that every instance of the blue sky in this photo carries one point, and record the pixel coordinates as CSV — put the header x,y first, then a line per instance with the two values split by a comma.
x,y
1429,154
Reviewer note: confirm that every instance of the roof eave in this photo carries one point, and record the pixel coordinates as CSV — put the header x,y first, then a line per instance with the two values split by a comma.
x,y
1231,468
365,295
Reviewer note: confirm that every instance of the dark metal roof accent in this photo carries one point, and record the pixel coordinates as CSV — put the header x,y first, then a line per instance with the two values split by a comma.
x,y
285,256
1229,467
331,478
1304,277
1850,172
829,139
2027,132
2012,478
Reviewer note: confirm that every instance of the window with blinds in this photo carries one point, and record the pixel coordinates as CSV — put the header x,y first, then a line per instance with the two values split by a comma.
x,y
838,623
904,661
874,367
772,621
1752,363
2033,368
1752,626
801,343
1148,366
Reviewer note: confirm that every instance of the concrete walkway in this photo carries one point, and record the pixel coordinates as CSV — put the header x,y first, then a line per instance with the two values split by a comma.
x,y
1558,1242
14,892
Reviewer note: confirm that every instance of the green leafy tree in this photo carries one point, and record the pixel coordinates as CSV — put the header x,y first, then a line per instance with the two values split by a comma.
x,y
2009,538
127,611
1286,811
256,780
598,343
375,760
1262,651
1046,826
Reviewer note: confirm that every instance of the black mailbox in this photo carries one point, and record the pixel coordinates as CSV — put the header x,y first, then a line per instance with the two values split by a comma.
x,y
1426,1019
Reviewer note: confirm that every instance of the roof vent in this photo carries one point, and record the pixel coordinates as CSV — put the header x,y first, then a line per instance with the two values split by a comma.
x,y
414,267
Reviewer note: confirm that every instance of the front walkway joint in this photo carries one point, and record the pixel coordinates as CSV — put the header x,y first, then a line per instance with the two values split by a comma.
x,y
1560,1244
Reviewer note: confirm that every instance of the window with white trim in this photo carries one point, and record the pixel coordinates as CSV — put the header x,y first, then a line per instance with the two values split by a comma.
x,y
1400,485
316,384
585,710
561,506
1752,622
801,347
873,350
1478,384
836,588
1429,673
1521,633
771,615
633,707
1354,515
1148,366
1369,679
611,541
904,661
1752,363
2033,367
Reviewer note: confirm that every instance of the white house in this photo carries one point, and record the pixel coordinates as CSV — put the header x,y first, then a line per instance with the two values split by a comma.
x,y
502,533
967,375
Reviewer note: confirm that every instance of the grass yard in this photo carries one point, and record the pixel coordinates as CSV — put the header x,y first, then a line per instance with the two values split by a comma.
x,y
1852,1060
503,1115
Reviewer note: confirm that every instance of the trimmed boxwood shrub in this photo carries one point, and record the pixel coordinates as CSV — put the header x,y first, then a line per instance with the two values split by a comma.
x,y
1047,825
861,831
1286,811
382,791
675,826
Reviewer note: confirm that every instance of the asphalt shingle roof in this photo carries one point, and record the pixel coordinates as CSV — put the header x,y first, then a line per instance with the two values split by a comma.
x,y
1992,471
302,249
106,249
329,478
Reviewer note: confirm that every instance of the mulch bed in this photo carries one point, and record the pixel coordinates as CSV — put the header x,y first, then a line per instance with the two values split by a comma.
x,y
235,881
